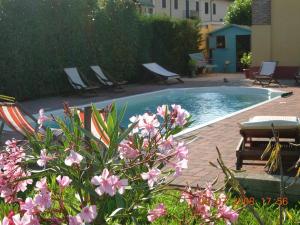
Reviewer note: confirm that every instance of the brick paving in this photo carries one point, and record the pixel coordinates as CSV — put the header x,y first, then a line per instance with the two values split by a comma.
x,y
224,134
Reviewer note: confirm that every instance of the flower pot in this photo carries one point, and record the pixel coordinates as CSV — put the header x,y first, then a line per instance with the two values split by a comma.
x,y
247,73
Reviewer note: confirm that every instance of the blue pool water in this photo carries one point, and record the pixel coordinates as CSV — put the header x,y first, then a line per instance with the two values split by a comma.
x,y
204,104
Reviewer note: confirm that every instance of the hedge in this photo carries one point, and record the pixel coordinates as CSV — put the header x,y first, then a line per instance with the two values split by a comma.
x,y
40,38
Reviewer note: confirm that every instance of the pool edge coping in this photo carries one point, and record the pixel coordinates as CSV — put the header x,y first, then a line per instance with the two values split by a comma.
x,y
189,130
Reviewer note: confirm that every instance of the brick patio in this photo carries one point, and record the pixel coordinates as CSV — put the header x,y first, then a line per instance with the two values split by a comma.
x,y
224,134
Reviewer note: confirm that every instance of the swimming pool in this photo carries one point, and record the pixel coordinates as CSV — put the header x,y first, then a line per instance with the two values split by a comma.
x,y
205,104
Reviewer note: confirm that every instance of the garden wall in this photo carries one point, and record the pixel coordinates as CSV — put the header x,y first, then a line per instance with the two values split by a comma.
x,y
40,38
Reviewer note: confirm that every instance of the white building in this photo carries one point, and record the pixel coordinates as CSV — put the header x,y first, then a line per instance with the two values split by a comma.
x,y
207,11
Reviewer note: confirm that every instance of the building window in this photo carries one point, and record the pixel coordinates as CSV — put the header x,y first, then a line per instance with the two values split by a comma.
x,y
150,10
164,3
197,7
214,8
175,4
220,42
206,7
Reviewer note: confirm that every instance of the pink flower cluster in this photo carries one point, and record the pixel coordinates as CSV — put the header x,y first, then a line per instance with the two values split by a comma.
x,y
208,206
157,144
87,215
127,150
44,158
159,211
11,172
109,184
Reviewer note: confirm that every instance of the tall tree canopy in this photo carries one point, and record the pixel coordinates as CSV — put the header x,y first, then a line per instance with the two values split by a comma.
x,y
239,12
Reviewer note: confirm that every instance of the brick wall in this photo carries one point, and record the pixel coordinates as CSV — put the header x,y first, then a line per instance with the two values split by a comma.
x,y
261,12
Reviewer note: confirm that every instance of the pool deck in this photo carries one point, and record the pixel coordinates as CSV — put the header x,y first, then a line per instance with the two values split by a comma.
x,y
224,134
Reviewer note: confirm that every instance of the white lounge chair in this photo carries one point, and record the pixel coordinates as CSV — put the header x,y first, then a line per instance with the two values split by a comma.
x,y
76,80
105,79
265,76
162,72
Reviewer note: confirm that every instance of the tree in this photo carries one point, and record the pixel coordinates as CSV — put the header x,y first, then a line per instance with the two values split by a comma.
x,y
239,12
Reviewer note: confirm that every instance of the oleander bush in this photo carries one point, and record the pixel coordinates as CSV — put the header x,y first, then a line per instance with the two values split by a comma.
x,y
77,179
39,38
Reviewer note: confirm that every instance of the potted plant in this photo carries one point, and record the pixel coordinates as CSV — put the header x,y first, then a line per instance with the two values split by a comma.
x,y
192,67
246,61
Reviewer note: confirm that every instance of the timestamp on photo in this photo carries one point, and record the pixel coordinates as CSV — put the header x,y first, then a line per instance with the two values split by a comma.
x,y
282,201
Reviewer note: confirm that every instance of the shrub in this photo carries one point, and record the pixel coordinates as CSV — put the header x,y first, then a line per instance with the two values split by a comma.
x,y
246,60
40,38
77,179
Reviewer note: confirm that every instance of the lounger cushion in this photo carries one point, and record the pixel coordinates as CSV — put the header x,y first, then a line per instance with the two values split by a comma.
x,y
265,122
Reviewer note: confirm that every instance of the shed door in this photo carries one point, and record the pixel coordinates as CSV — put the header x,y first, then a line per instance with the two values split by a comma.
x,y
242,46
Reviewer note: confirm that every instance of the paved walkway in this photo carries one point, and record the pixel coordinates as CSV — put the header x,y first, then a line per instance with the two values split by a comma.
x,y
224,134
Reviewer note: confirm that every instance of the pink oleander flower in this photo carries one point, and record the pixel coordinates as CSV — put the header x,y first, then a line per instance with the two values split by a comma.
x,y
43,200
179,166
181,151
165,145
159,211
134,119
179,115
148,124
44,158
88,213
63,181
6,221
75,220
28,206
162,111
109,184
118,184
127,151
73,158
229,215
42,117
42,185
25,220
152,176
12,175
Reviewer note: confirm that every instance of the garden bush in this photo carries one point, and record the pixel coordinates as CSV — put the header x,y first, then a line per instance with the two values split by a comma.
x,y
39,38
76,179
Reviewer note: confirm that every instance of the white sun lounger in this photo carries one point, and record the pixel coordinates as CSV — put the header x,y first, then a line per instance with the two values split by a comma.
x,y
266,74
101,76
162,72
105,79
265,122
75,79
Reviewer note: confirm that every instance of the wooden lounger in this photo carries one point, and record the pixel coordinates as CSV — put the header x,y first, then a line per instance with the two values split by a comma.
x,y
257,132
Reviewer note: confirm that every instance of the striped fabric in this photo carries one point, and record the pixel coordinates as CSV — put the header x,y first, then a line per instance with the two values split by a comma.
x,y
96,128
15,119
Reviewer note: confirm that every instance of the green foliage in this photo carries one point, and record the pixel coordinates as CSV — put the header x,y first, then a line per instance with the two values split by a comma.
x,y
40,38
239,12
246,60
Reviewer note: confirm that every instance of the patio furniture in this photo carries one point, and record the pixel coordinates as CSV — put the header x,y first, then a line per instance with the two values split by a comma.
x,y
161,72
104,78
265,76
257,132
76,81
89,121
16,118
202,62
